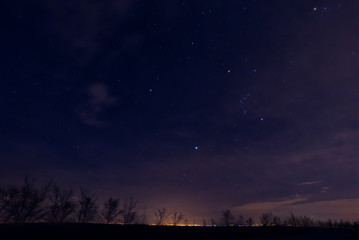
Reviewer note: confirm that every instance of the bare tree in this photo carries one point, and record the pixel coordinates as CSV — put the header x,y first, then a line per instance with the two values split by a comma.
x,y
250,221
329,223
277,220
61,204
129,214
23,204
228,217
176,217
240,220
4,201
293,220
306,221
88,209
204,222
266,219
111,211
161,216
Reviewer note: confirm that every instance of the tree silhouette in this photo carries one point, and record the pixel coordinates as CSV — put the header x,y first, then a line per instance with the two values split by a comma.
x,y
23,204
240,220
27,203
228,217
4,202
277,220
176,217
293,220
88,208
266,219
161,216
6,199
111,211
128,213
306,221
204,222
250,221
61,204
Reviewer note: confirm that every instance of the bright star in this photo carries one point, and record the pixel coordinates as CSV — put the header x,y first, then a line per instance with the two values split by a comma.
x,y
196,147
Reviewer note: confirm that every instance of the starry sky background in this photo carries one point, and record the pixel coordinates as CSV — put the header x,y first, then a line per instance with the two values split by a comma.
x,y
192,105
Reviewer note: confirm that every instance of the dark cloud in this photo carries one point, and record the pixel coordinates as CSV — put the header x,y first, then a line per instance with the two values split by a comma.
x,y
99,100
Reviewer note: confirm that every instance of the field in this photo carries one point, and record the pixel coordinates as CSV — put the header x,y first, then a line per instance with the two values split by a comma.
x,y
113,232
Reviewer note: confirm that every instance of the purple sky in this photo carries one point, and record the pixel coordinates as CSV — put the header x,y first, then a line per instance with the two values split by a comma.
x,y
190,105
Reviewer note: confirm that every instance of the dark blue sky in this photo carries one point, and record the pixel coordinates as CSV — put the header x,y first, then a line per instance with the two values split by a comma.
x,y
193,105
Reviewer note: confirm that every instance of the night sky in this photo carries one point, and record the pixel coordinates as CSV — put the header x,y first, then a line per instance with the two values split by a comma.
x,y
190,105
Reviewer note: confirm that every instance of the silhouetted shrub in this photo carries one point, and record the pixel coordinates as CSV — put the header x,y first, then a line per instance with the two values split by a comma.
x,y
161,216
88,209
227,217
111,210
61,205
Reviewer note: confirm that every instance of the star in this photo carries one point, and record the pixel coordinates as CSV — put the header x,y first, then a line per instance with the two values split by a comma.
x,y
196,147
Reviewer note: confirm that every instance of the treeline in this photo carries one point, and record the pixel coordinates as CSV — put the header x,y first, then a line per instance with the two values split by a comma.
x,y
28,203
269,219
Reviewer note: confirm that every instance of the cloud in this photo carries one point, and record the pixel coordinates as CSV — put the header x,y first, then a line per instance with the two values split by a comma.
x,y
310,183
81,26
99,100
100,95
334,209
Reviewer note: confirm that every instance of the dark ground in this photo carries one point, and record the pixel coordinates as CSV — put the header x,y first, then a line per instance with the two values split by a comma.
x,y
111,232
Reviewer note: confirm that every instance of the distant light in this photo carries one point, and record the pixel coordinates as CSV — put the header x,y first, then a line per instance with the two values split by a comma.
x,y
150,89
255,70
196,147
315,9
192,43
229,70
262,119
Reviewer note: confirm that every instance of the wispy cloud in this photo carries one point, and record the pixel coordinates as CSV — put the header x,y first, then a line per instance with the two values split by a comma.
x,y
310,183
337,209
99,99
